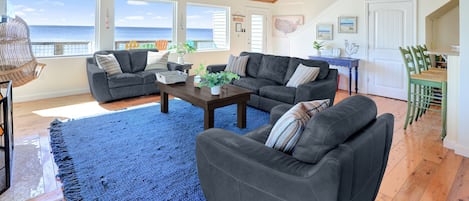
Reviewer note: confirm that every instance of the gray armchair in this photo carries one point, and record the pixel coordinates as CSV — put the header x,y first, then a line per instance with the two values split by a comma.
x,y
341,155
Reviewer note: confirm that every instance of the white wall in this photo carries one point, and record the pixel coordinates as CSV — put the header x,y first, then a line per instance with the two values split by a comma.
x,y
300,42
64,76
463,134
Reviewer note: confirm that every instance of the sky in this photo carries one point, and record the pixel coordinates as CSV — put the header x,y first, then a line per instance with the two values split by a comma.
x,y
132,13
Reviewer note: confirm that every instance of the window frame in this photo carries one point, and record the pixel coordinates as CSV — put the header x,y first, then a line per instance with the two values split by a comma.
x,y
227,30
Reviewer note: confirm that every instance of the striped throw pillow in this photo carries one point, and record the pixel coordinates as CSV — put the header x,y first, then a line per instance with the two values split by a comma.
x,y
303,74
157,60
109,63
288,129
237,65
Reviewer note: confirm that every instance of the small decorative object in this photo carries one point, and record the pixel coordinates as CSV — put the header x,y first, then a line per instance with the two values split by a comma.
x,y
347,24
198,75
318,46
284,25
324,32
171,77
182,49
216,80
350,49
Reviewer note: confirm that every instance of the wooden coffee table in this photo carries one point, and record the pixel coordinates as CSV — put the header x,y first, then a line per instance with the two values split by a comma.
x,y
202,98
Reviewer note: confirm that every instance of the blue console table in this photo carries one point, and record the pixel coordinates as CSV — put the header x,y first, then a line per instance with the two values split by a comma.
x,y
346,62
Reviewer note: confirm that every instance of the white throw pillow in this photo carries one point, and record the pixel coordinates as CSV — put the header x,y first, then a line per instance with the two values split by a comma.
x,y
288,129
157,60
237,65
303,74
109,63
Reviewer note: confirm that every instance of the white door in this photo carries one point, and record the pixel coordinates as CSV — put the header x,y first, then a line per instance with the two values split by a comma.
x,y
257,30
391,24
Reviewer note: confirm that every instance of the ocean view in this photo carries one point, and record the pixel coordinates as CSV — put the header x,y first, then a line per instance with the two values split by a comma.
x,y
86,33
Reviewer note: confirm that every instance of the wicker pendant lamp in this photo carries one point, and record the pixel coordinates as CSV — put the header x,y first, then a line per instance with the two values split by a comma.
x,y
17,62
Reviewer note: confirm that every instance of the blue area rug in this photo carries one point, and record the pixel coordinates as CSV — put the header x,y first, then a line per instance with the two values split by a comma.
x,y
137,154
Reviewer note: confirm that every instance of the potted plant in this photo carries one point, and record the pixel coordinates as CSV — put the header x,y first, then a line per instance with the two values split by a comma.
x,y
216,80
182,49
198,74
318,46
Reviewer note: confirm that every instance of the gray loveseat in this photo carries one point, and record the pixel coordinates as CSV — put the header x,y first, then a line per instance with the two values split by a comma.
x,y
267,75
134,81
341,155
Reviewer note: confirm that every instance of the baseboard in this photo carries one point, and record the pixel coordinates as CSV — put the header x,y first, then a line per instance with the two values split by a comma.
x,y
458,148
52,94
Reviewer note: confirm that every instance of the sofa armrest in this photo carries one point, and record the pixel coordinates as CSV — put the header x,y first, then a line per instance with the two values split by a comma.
x,y
319,89
216,68
278,111
97,80
226,160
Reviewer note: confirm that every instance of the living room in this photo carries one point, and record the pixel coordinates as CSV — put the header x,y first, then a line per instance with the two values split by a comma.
x,y
62,90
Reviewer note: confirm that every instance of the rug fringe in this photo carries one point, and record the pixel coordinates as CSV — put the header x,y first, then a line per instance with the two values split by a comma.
x,y
71,185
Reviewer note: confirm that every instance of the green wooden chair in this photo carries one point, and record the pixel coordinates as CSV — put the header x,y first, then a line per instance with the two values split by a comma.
x,y
417,96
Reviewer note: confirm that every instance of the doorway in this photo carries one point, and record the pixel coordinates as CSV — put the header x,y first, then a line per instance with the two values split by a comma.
x,y
390,24
257,30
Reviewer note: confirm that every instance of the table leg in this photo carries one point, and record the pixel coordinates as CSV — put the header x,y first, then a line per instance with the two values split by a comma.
x,y
164,102
242,115
349,80
208,118
356,79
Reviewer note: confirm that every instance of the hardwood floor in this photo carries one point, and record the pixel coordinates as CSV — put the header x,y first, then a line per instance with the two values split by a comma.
x,y
419,167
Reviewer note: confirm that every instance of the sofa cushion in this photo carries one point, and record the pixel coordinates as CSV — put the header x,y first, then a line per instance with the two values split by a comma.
x,y
334,126
124,79
273,68
254,62
280,93
237,65
124,60
303,74
138,59
108,63
253,84
149,76
294,62
157,60
288,129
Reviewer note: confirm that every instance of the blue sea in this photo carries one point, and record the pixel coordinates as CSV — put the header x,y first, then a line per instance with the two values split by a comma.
x,y
40,33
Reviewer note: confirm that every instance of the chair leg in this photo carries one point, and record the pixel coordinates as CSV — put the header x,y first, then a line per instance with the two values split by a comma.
x,y
408,116
443,109
414,102
418,98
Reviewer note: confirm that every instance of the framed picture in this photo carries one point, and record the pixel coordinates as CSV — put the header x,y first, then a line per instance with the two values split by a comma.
x,y
324,32
347,24
239,27
285,24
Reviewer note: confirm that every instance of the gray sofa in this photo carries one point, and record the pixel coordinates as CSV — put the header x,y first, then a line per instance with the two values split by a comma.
x,y
341,155
267,75
134,81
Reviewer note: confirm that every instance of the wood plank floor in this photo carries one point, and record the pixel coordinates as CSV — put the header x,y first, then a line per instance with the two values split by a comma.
x,y
419,167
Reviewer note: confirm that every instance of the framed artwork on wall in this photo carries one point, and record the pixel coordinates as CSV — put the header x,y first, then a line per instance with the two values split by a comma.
x,y
324,32
347,24
285,24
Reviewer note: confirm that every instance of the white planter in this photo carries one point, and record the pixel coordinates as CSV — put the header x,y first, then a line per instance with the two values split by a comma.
x,y
180,60
215,90
197,80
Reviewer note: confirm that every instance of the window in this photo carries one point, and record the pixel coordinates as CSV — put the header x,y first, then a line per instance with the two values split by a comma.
x,y
59,27
139,24
207,26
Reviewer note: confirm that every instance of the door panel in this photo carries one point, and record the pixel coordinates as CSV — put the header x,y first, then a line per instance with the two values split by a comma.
x,y
257,30
390,26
